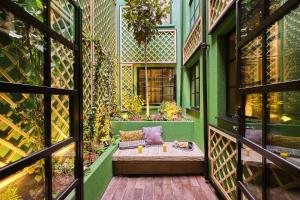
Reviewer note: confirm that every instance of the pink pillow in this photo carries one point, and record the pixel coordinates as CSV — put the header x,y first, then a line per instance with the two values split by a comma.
x,y
153,135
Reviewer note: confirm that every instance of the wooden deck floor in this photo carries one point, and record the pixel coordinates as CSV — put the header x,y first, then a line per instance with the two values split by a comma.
x,y
156,188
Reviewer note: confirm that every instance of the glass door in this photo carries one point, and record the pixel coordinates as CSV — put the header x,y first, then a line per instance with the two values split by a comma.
x,y
40,100
268,60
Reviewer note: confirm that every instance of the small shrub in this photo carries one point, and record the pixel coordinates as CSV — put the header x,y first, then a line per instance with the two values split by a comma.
x,y
170,111
133,105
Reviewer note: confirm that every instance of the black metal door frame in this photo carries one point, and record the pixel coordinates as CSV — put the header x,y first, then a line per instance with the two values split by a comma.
x,y
264,89
75,96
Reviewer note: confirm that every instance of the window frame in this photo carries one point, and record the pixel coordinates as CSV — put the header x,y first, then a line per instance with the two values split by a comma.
x,y
194,77
139,91
228,76
48,91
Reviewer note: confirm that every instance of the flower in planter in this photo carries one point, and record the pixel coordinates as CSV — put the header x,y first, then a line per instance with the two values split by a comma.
x,y
156,117
135,118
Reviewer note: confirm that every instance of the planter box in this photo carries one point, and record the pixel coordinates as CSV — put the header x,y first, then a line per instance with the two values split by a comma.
x,y
174,130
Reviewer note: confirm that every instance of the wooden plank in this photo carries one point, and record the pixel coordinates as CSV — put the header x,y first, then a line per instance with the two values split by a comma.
x,y
177,188
110,191
158,192
186,188
120,188
148,188
129,191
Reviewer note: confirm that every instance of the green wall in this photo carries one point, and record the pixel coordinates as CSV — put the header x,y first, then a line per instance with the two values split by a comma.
x,y
180,131
216,72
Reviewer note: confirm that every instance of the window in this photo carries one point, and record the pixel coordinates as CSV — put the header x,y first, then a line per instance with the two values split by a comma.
x,y
161,84
195,87
194,12
231,90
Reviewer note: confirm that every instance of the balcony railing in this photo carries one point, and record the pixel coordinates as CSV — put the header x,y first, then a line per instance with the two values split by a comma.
x,y
193,41
216,10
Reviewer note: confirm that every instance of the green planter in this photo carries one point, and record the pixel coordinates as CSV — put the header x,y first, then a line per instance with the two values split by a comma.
x,y
99,176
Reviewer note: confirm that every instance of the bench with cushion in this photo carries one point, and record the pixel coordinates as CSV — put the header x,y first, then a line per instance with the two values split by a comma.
x,y
153,160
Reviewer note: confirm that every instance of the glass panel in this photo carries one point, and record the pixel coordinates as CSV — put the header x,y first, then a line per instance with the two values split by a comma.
x,y
35,8
72,195
232,74
231,46
28,184
22,126
275,4
282,185
197,100
63,169
197,85
21,51
60,118
284,124
160,83
62,66
252,171
251,8
251,63
283,49
253,113
63,18
192,100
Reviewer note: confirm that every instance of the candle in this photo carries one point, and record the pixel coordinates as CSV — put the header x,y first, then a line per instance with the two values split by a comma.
x,y
248,150
284,154
164,147
140,149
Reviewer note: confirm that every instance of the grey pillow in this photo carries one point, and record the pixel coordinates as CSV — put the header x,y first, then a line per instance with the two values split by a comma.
x,y
153,135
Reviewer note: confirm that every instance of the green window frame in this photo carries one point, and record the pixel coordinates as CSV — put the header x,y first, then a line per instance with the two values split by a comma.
x,y
161,84
195,87
194,12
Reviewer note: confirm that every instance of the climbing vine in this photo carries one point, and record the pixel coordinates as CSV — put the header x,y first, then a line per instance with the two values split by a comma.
x,y
97,132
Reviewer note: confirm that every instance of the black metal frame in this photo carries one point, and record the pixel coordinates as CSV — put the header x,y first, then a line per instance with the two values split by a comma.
x,y
264,89
162,86
75,96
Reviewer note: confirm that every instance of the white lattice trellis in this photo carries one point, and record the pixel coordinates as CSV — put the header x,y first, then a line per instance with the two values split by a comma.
x,y
216,9
126,81
193,41
222,154
162,49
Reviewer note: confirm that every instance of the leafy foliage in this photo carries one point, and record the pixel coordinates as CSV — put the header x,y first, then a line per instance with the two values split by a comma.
x,y
143,16
97,126
10,193
133,105
170,111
